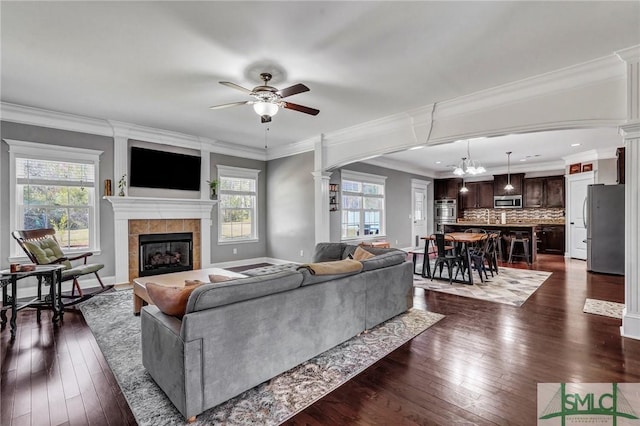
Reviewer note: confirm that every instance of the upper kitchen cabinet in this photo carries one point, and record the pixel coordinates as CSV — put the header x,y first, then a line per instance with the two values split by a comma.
x,y
545,192
554,191
500,181
620,165
479,196
447,188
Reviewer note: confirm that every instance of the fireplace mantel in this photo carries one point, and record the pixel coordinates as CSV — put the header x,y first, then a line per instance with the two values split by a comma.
x,y
160,208
128,208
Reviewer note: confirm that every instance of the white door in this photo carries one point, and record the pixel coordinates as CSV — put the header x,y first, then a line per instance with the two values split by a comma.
x,y
419,212
576,214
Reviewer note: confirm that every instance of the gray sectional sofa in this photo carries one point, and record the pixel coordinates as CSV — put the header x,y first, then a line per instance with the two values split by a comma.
x,y
240,333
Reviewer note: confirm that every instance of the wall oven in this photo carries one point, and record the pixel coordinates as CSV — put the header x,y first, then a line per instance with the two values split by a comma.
x,y
507,202
446,211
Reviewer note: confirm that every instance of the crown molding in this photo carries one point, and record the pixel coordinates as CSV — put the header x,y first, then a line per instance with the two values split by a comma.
x,y
56,120
630,130
401,166
363,131
630,54
291,149
585,74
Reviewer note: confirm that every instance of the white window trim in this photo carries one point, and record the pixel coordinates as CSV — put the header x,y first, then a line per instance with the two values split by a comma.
x,y
239,172
52,152
368,178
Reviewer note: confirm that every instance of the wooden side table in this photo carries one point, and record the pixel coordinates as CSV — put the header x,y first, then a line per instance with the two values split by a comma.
x,y
52,274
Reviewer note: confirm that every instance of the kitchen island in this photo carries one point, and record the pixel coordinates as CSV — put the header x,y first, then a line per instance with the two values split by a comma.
x,y
506,229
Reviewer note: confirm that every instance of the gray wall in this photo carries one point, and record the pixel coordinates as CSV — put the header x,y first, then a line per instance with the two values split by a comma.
x,y
290,210
607,171
27,133
224,252
398,203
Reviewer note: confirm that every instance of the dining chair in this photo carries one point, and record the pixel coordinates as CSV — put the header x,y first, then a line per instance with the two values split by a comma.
x,y
446,255
492,253
478,257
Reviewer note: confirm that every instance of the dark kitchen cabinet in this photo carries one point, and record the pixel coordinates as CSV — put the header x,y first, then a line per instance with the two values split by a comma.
x,y
554,191
479,196
550,239
544,192
620,165
447,188
533,192
500,181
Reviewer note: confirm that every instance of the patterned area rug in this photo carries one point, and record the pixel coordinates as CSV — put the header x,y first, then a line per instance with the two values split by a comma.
x,y
511,286
117,332
603,307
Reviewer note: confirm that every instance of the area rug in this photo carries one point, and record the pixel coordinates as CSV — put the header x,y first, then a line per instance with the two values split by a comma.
x,y
511,286
603,307
117,332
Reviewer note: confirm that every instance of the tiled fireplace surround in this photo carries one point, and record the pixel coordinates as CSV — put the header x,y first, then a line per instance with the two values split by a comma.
x,y
134,216
139,227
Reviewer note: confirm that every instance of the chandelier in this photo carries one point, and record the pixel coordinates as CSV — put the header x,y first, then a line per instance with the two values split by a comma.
x,y
468,166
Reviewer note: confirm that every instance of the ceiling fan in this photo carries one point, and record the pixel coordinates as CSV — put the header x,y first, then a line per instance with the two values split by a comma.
x,y
268,99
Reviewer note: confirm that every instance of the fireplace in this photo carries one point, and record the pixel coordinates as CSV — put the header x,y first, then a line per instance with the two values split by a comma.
x,y
165,253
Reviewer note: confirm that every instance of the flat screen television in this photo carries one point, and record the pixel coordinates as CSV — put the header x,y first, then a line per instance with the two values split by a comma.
x,y
162,169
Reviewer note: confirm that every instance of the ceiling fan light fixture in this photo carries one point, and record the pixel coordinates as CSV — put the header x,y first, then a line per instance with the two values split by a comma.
x,y
265,108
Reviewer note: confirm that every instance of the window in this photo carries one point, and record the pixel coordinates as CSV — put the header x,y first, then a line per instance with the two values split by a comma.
x,y
237,204
55,187
362,205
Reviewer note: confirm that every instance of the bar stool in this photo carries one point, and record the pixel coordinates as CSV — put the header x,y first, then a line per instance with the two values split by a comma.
x,y
521,237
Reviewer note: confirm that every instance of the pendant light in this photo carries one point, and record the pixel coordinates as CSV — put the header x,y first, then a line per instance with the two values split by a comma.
x,y
464,188
508,187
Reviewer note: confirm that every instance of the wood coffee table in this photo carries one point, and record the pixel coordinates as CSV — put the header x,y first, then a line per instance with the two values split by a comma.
x,y
175,279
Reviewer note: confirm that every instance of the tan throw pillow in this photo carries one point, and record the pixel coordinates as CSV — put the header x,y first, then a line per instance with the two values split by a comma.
x,y
361,254
171,300
187,283
219,278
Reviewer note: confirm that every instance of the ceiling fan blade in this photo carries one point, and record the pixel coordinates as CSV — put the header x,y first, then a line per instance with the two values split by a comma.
x,y
300,108
265,119
293,90
235,86
232,104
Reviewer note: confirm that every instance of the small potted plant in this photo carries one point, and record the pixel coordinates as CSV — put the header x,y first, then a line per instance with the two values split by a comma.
x,y
213,186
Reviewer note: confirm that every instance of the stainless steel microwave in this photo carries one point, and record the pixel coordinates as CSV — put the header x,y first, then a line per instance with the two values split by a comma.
x,y
507,202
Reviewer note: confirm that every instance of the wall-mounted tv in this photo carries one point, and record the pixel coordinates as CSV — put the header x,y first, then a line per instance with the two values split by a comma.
x,y
162,169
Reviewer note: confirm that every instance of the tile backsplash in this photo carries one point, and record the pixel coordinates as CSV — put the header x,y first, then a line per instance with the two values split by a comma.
x,y
554,215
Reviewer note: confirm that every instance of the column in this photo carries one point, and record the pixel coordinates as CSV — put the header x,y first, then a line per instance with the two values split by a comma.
x,y
631,134
322,218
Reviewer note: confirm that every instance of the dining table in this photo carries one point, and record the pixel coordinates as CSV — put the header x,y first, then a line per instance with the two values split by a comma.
x,y
464,240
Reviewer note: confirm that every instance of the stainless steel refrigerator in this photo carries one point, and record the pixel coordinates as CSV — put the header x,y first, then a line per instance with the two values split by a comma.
x,y
605,229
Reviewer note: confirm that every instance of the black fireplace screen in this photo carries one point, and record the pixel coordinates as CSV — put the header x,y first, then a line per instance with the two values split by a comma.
x,y
165,253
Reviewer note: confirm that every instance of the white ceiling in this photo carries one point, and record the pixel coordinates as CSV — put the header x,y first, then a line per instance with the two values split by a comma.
x,y
158,64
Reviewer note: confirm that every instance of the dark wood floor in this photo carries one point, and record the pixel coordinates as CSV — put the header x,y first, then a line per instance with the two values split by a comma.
x,y
479,365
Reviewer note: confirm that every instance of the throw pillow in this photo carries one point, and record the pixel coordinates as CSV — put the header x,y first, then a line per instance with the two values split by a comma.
x,y
362,254
219,278
192,282
171,300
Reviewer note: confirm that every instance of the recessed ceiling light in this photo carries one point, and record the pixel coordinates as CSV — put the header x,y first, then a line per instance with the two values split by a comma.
x,y
438,162
416,147
523,159
575,144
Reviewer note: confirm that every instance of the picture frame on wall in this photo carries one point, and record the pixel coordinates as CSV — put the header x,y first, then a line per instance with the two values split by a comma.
x,y
587,167
575,168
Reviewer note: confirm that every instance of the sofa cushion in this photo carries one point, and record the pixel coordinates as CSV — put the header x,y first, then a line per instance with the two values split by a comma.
x,y
361,254
211,295
46,251
390,258
335,267
326,252
309,279
172,300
